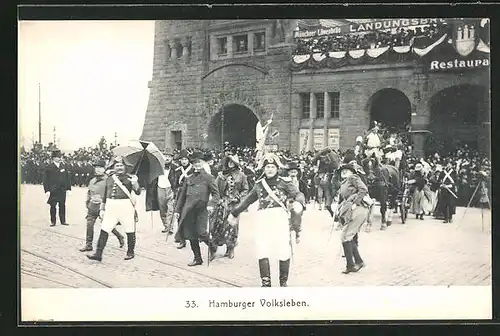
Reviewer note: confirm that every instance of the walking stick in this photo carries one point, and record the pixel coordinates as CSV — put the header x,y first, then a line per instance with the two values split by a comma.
x,y
468,205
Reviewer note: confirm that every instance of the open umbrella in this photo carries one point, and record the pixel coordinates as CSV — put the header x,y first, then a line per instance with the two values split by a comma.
x,y
147,159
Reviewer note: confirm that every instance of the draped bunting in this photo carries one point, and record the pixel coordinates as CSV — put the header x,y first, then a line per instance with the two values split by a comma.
x,y
419,48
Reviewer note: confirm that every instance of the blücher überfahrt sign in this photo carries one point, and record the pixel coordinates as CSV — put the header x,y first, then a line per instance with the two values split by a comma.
x,y
465,50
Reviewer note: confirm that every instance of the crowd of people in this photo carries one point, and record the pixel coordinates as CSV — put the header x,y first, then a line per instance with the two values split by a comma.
x,y
467,162
369,40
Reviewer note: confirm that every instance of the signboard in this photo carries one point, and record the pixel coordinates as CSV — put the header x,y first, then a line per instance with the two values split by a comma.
x,y
318,136
468,49
334,138
303,140
384,24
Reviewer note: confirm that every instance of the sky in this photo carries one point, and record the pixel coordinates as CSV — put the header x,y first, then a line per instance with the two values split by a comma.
x,y
93,77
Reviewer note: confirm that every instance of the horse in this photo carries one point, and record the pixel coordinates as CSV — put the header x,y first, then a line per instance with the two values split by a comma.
x,y
328,163
383,182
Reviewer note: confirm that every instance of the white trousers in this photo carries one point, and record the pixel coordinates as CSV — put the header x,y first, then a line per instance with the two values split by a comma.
x,y
118,211
272,234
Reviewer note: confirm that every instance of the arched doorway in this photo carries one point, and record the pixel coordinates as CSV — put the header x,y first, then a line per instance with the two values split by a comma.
x,y
460,115
392,108
235,124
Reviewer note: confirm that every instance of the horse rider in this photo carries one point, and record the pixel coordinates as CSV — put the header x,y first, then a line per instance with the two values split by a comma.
x,y
373,142
118,206
272,218
327,162
354,207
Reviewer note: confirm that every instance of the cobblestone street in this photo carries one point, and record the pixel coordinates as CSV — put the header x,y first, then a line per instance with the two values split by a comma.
x,y
418,253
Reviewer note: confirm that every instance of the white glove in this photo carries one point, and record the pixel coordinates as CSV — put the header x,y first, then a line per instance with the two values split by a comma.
x,y
68,192
210,208
101,214
133,178
297,207
232,220
47,195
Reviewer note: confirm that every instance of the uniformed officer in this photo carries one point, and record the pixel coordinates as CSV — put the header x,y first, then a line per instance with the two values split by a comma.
x,y
118,206
295,177
192,208
272,218
95,195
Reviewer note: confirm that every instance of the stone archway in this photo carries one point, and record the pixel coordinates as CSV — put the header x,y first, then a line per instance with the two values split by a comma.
x,y
460,115
391,107
234,123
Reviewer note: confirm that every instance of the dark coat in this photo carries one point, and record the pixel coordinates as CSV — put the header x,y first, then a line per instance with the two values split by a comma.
x,y
240,182
192,205
56,181
152,190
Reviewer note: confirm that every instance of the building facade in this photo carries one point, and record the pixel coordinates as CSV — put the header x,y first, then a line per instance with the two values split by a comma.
x,y
214,80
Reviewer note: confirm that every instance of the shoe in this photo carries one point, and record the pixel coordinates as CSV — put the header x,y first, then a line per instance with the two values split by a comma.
x,y
52,224
181,245
265,272
229,253
351,269
195,263
101,243
129,256
86,249
65,224
284,271
164,231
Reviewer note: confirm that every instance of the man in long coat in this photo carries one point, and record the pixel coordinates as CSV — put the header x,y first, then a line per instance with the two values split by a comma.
x,y
182,172
56,184
192,208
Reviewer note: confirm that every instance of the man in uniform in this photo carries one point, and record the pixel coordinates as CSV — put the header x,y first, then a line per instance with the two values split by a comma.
x,y
272,218
447,195
95,195
192,208
56,184
182,172
118,206
295,177
373,142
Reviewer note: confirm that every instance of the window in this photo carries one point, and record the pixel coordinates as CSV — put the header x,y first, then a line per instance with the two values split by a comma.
x,y
320,105
222,46
178,47
176,138
335,105
241,43
305,105
259,41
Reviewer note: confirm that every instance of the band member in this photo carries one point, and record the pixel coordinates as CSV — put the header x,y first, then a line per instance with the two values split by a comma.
x,y
95,195
118,206
56,184
294,174
271,218
233,186
182,172
447,194
192,208
160,194
353,212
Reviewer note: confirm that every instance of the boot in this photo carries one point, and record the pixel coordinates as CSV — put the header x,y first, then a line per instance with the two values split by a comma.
x,y
131,239
181,245
118,235
89,237
348,251
212,250
101,243
265,272
229,252
284,270
358,262
195,247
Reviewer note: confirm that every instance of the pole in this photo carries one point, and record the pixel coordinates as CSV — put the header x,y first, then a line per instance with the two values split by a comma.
x,y
222,129
54,135
116,136
39,115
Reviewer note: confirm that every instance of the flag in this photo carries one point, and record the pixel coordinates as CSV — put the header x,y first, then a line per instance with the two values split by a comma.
x,y
260,136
